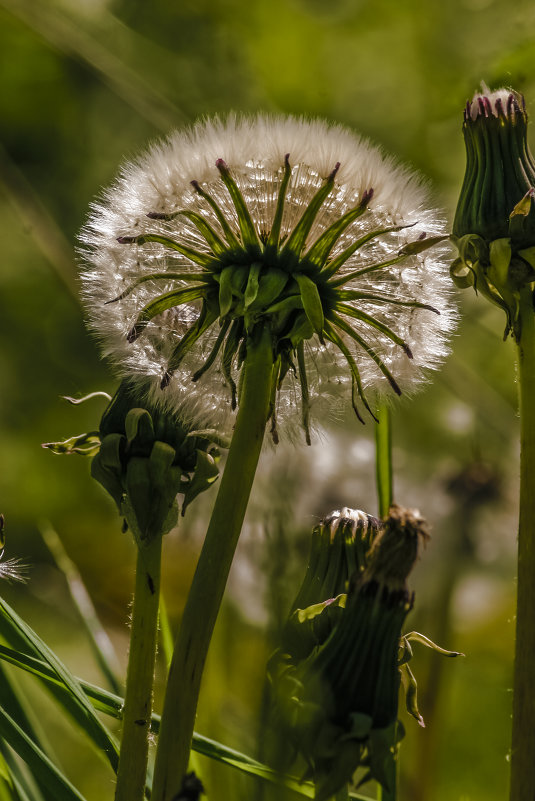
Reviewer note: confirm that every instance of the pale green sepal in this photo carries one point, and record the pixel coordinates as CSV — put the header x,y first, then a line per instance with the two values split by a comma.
x,y
500,259
251,290
415,636
311,302
106,467
420,245
205,474
411,694
302,329
138,426
81,444
461,274
225,290
270,286
528,254
316,609
286,305
213,435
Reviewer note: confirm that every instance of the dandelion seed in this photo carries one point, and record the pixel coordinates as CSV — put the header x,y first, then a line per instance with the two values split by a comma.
x,y
10,569
300,226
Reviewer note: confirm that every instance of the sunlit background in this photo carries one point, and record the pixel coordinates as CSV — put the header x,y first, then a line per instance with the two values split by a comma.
x,y
88,83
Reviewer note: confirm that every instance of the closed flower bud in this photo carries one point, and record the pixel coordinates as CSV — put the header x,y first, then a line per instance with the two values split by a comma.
x,y
338,550
339,705
494,226
147,456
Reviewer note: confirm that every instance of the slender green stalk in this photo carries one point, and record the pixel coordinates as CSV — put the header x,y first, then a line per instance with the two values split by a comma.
x,y
383,459
523,743
212,571
133,757
385,496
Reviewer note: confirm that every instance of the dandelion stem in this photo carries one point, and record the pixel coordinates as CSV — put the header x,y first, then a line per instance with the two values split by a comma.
x,y
210,578
134,752
383,459
523,743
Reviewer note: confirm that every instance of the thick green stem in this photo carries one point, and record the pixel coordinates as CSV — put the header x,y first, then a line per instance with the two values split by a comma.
x,y
523,744
134,753
212,571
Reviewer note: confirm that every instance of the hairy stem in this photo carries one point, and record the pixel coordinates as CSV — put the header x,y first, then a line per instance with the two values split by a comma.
x,y
212,571
523,744
134,752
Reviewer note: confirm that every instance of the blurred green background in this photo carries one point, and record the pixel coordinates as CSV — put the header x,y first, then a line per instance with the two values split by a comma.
x,y
88,83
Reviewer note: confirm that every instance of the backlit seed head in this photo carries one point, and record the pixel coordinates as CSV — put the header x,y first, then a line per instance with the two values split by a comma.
x,y
300,226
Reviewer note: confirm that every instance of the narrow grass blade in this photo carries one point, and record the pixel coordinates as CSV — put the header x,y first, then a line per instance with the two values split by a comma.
x,y
98,638
112,705
68,690
40,765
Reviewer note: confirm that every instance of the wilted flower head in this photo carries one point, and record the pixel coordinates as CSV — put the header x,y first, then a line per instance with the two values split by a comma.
x,y
339,705
235,225
494,223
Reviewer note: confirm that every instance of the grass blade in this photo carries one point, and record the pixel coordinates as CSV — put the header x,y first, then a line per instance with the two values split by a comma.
x,y
68,690
99,641
40,765
112,705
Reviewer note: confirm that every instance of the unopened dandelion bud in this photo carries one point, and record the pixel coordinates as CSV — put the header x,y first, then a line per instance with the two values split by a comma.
x,y
298,227
338,550
494,226
146,458
339,705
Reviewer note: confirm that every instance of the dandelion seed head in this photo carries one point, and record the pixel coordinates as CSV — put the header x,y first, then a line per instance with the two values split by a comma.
x,y
154,202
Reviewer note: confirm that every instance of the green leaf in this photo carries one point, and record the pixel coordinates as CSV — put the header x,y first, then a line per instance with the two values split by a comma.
x,y
112,705
68,691
40,765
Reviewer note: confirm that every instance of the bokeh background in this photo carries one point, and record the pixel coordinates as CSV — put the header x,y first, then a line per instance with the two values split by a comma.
x,y
88,83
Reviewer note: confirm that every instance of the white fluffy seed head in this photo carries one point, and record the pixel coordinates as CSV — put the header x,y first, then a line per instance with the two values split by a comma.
x,y
254,149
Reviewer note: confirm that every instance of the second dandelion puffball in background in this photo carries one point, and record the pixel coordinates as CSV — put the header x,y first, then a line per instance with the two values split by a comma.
x,y
235,225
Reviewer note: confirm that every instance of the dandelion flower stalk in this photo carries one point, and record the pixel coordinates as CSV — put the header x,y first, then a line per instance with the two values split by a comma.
x,y
495,232
210,577
131,774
